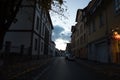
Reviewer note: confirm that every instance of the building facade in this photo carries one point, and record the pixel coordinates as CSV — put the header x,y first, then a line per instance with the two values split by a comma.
x,y
103,21
79,36
98,47
113,20
30,33
102,29
73,48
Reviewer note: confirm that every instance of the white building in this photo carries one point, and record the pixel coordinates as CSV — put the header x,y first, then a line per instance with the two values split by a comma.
x,y
31,31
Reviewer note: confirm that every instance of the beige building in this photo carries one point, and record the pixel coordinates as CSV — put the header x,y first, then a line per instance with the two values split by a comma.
x,y
98,47
79,38
74,46
113,18
103,22
98,31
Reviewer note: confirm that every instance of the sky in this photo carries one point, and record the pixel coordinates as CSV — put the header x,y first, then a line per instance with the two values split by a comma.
x,y
62,26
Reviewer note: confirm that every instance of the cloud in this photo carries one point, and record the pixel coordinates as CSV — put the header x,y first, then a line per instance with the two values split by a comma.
x,y
65,36
61,44
57,32
60,33
60,36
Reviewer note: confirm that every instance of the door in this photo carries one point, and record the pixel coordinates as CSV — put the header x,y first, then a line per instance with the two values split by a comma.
x,y
102,52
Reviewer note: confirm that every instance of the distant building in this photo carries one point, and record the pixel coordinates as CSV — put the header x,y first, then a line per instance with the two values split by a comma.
x,y
79,35
68,48
57,52
52,51
74,44
30,33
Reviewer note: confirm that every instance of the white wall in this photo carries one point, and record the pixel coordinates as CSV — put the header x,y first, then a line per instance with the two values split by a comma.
x,y
24,19
17,39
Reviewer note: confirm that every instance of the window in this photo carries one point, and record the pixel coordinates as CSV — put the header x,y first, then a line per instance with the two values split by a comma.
x,y
42,47
35,44
117,6
40,27
101,21
43,28
89,29
7,46
84,38
81,40
93,26
37,23
81,28
94,29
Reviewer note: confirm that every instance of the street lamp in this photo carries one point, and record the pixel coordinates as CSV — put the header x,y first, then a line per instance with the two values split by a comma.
x,y
116,35
115,44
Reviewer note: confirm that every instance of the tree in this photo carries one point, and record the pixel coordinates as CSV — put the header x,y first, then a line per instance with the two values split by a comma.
x,y
9,9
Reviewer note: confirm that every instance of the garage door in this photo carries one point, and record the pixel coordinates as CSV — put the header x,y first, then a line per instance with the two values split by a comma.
x,y
102,52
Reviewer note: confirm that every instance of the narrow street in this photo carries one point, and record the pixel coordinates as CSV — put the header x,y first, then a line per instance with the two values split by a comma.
x,y
60,40
62,69
69,70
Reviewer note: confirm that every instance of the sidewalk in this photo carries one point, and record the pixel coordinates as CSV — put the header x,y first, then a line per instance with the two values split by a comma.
x,y
110,70
12,71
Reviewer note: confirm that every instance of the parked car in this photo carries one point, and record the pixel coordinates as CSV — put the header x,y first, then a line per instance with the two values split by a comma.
x,y
71,57
66,56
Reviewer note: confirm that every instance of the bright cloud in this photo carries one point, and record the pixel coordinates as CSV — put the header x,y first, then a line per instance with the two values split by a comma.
x,y
61,44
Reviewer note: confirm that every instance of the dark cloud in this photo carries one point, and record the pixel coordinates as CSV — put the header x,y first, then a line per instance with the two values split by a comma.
x,y
58,29
59,33
66,36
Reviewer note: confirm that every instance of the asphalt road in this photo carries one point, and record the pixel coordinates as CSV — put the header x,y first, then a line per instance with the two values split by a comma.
x,y
62,69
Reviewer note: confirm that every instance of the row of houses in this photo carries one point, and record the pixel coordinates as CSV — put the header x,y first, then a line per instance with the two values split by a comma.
x,y
31,31
96,35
